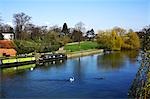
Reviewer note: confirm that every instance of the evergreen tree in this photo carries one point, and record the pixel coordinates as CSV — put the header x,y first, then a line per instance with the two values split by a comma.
x,y
90,34
65,29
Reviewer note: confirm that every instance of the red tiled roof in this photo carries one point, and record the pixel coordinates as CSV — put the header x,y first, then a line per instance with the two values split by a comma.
x,y
11,52
6,44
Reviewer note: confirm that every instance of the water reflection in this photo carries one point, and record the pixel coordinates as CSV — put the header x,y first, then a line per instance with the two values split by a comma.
x,y
77,71
116,60
13,71
132,55
110,61
51,64
21,70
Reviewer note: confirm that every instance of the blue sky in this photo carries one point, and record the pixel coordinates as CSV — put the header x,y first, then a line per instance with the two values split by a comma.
x,y
97,14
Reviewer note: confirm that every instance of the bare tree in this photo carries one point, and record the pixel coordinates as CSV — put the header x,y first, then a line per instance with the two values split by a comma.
x,y
80,27
79,30
55,28
120,31
21,20
7,28
36,32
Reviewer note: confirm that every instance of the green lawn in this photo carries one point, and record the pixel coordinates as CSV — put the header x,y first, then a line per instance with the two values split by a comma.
x,y
86,45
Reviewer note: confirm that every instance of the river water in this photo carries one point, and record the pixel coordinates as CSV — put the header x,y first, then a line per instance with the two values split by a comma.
x,y
96,76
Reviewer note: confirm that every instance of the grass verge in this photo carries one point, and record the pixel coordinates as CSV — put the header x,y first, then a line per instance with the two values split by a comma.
x,y
86,45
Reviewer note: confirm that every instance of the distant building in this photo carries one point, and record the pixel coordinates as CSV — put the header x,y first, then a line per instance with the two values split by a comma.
x,y
8,35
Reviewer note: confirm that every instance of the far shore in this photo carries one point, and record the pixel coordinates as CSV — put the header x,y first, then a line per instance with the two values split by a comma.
x,y
83,53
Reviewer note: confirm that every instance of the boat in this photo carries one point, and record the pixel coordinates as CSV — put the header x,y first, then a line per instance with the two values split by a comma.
x,y
10,61
52,57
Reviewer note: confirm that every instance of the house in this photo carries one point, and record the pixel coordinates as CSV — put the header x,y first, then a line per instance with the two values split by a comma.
x,y
8,35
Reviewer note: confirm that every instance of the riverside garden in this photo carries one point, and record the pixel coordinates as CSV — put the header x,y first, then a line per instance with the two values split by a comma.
x,y
83,48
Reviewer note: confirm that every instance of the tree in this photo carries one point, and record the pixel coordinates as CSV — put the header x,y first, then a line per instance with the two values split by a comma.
x,y
51,41
37,32
145,37
6,28
104,40
80,27
21,20
55,28
76,36
131,41
116,40
119,31
1,36
78,32
109,40
0,25
90,34
65,29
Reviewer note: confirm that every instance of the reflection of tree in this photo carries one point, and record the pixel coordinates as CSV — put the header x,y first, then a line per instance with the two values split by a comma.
x,y
116,59
132,55
110,61
57,64
77,69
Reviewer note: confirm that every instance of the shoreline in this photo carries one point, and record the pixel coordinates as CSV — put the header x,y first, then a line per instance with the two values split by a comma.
x,y
83,53
10,62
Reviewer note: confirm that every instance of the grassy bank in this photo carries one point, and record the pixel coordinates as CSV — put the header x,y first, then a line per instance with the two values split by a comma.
x,y
86,45
84,48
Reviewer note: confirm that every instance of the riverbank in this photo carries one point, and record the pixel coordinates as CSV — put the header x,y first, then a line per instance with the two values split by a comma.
x,y
83,53
141,84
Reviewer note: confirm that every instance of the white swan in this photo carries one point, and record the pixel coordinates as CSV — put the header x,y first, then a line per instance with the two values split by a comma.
x,y
71,79
31,69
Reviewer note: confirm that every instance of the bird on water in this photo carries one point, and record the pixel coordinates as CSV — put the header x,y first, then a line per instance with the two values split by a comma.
x,y
71,79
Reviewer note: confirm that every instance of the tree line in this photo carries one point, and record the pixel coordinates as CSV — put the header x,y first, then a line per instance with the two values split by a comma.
x,y
30,37
118,39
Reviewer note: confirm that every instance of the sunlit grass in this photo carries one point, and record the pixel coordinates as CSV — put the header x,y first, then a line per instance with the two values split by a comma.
x,y
80,47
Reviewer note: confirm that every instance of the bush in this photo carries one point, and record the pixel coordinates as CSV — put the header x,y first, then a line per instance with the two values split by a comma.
x,y
23,46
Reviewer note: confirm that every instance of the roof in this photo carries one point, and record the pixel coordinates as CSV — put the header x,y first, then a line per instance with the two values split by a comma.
x,y
11,52
6,44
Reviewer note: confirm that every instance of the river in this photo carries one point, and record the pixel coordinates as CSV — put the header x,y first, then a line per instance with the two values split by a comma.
x,y
96,76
